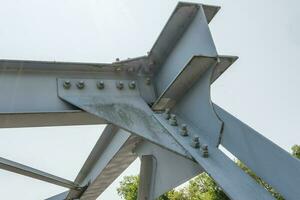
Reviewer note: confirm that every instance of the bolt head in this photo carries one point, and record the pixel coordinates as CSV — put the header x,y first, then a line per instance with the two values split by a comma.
x,y
118,69
100,85
204,147
204,150
195,138
167,113
184,130
132,85
148,81
120,85
67,84
80,85
173,120
195,144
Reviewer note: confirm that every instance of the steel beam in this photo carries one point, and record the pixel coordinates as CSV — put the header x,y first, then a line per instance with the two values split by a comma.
x,y
222,169
196,40
124,108
267,160
111,155
167,171
31,91
37,174
147,178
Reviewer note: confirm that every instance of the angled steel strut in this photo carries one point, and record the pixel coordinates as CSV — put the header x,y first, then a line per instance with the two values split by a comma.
x,y
157,108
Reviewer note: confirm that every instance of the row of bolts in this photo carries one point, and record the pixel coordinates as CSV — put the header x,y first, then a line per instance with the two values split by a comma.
x,y
100,84
184,132
167,115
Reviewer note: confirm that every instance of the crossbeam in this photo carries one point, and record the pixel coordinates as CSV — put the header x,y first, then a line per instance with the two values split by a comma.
x,y
37,174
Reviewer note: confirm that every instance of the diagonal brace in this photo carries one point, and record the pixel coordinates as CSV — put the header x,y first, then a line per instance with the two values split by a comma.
x,y
36,174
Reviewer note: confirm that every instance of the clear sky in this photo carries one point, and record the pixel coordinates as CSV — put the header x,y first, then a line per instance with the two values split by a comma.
x,y
261,88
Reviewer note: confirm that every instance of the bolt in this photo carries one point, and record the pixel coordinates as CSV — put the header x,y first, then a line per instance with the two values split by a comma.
x,y
119,85
167,113
67,84
100,85
118,69
184,130
131,85
148,81
204,149
80,85
195,142
173,120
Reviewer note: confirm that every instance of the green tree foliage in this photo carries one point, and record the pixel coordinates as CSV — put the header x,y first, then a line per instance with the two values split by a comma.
x,y
202,187
296,151
128,189
259,181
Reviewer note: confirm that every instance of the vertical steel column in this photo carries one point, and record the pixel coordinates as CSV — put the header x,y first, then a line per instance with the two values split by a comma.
x,y
147,178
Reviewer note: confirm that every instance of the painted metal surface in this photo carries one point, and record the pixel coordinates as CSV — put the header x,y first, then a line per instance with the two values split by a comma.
x,y
112,154
221,168
171,170
131,95
124,108
274,165
37,174
147,177
186,47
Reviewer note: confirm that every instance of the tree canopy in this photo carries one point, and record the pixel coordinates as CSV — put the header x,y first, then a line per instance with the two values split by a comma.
x,y
202,187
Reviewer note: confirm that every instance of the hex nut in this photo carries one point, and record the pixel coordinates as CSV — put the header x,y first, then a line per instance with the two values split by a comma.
x,y
80,84
67,84
195,142
148,81
120,85
100,85
173,120
204,150
132,85
167,114
184,130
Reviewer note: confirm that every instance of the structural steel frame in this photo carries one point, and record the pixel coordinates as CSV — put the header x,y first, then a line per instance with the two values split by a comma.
x,y
157,108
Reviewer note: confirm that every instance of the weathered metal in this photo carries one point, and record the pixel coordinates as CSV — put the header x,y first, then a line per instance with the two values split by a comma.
x,y
158,108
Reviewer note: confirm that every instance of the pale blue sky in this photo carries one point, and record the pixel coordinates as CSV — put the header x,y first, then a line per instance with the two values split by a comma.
x,y
261,88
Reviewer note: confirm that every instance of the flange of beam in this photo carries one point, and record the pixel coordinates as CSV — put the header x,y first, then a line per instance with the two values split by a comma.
x,y
177,25
189,75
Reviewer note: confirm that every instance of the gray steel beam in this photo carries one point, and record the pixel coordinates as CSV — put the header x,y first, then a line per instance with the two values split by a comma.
x,y
37,174
124,108
273,164
111,155
31,91
222,169
196,40
176,27
147,178
189,75
170,169
61,196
